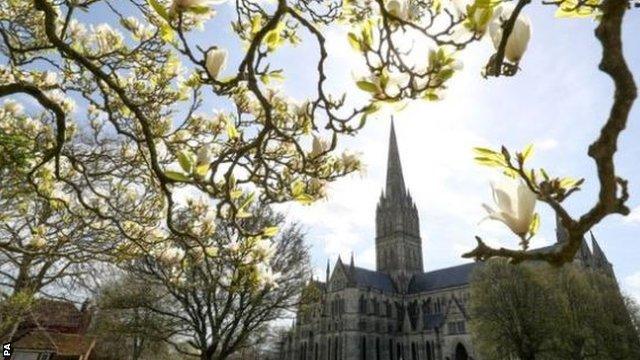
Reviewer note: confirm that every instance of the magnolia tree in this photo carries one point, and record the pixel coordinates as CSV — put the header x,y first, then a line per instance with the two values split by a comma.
x,y
217,294
127,138
44,248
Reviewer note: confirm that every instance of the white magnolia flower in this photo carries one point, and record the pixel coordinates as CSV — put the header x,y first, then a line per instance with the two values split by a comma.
x,y
233,246
318,146
13,107
172,255
266,275
131,23
50,78
399,8
76,30
216,61
519,37
211,251
36,242
515,204
182,135
302,110
264,249
58,193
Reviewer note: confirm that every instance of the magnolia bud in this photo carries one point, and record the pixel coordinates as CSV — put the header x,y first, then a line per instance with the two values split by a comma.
x,y
519,37
216,61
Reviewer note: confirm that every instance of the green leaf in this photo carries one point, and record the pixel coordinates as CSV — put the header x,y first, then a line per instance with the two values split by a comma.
x,y
491,161
297,188
159,9
235,194
186,161
304,199
272,39
567,182
166,33
200,10
354,41
527,152
535,224
510,173
367,86
243,214
201,170
247,201
446,74
436,6
270,231
256,24
544,174
431,96
232,132
367,33
576,9
372,108
176,175
273,75
484,151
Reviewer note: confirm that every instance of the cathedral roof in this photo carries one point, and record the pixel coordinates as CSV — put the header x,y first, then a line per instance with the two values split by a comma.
x,y
373,279
441,279
319,284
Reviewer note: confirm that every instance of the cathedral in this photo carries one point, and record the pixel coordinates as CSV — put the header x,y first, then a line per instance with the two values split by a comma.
x,y
397,311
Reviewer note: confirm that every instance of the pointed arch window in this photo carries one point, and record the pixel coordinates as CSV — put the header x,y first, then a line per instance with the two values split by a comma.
x,y
363,305
363,348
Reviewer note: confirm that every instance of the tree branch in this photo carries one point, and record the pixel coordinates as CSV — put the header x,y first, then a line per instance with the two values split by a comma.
x,y
602,150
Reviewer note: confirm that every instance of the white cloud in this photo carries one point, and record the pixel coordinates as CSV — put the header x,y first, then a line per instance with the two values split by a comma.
x,y
546,144
367,258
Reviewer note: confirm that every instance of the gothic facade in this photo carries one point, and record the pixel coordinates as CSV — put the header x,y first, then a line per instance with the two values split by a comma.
x,y
398,311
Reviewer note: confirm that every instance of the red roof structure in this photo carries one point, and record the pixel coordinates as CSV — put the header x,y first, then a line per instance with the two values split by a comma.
x,y
57,328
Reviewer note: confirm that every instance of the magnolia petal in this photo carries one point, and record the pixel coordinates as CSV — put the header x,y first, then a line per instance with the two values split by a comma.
x,y
503,195
526,203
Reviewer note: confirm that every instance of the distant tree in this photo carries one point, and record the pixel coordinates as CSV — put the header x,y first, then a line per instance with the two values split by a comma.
x,y
532,311
614,328
511,313
577,320
214,290
275,336
634,311
46,247
125,328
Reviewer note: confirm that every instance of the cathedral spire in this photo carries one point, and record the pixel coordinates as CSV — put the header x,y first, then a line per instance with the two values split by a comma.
x,y
398,243
598,254
327,275
395,181
562,235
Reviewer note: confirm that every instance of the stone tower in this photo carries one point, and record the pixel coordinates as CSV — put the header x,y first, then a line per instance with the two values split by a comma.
x,y
398,243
